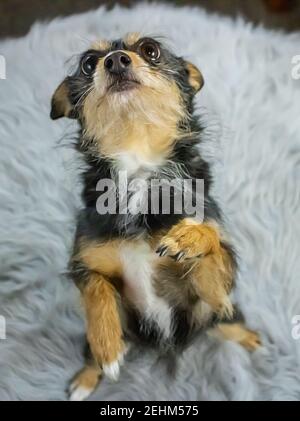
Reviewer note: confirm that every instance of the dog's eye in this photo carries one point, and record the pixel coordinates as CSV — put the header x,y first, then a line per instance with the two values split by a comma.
x,y
89,63
150,51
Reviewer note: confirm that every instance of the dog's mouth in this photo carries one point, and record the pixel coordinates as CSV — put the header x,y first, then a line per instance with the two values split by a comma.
x,y
123,84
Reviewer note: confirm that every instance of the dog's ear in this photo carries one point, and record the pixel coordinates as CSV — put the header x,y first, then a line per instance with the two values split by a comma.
x,y
195,77
61,105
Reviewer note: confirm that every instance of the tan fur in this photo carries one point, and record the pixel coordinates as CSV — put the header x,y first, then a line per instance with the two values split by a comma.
x,y
104,330
211,275
137,121
182,284
102,258
169,284
101,45
87,378
60,101
192,238
132,38
237,332
195,76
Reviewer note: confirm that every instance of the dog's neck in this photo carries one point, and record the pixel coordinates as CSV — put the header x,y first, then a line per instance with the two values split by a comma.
x,y
136,133
138,145
134,146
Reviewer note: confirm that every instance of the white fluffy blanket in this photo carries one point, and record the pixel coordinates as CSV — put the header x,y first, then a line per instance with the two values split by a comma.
x,y
251,105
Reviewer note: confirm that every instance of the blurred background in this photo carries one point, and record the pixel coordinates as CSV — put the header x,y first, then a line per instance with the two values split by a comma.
x,y
17,16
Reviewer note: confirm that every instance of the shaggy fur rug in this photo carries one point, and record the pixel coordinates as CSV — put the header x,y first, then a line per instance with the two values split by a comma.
x,y
251,107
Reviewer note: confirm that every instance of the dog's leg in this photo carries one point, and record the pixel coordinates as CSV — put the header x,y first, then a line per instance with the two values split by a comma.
x,y
85,382
237,332
87,379
208,263
104,331
189,239
92,267
212,278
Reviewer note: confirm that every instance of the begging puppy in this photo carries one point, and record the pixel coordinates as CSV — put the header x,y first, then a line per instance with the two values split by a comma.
x,y
148,270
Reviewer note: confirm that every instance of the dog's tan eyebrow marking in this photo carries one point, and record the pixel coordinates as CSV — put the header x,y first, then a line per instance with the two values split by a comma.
x,y
132,38
102,44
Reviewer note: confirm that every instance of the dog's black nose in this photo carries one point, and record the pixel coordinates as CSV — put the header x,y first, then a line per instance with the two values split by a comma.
x,y
117,62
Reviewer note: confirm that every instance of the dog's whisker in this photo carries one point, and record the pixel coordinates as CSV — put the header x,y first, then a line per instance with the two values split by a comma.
x,y
83,96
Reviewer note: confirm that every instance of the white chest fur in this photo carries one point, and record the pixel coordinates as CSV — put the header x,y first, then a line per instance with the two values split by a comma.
x,y
138,261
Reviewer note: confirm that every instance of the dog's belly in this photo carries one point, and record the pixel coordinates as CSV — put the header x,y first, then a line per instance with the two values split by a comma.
x,y
139,264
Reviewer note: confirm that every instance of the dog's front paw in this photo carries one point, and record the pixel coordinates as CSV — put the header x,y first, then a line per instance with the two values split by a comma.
x,y
189,240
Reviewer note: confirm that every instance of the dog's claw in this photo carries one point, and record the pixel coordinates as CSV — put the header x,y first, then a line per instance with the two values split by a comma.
x,y
179,256
162,250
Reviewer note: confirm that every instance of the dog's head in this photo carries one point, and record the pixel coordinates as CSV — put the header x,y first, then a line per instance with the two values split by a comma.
x,y
125,81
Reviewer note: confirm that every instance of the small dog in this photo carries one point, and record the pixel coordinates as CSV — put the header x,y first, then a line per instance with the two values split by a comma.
x,y
159,277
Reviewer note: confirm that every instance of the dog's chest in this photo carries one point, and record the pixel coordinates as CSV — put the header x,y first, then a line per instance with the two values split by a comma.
x,y
139,262
139,265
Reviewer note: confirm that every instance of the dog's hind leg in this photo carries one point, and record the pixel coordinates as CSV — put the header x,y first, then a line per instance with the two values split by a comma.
x,y
104,330
235,329
102,304
237,332
87,379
